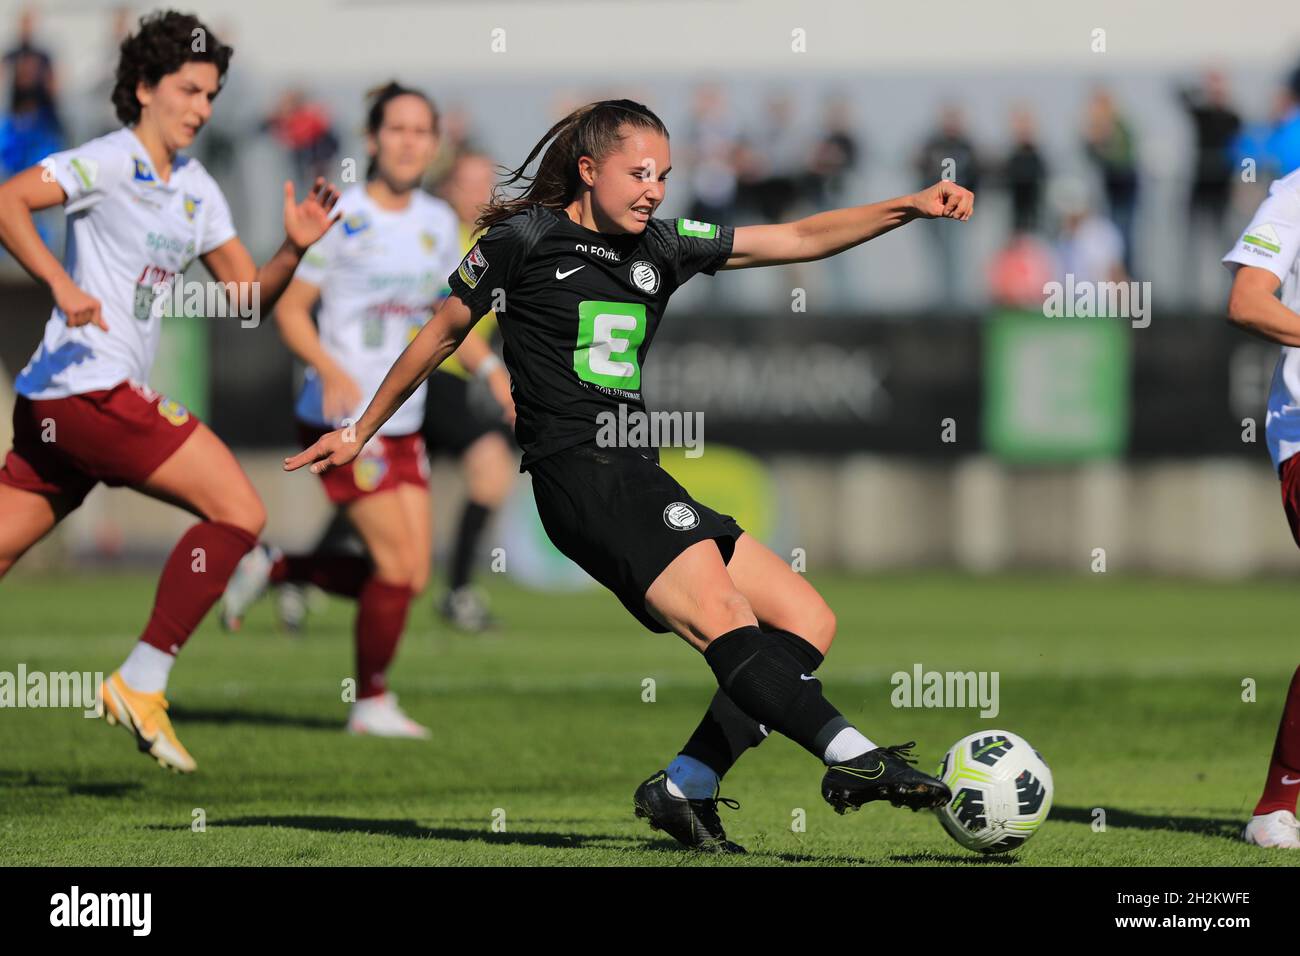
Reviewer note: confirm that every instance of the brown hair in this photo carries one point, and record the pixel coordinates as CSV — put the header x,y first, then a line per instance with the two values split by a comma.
x,y
593,130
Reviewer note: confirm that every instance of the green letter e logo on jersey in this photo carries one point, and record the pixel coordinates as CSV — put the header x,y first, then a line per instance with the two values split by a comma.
x,y
696,229
609,335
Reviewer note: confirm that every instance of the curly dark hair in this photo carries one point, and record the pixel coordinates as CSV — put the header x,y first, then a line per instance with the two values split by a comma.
x,y
165,42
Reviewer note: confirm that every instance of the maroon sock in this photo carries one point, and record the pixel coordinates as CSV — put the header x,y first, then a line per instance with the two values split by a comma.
x,y
341,574
194,576
1283,784
381,615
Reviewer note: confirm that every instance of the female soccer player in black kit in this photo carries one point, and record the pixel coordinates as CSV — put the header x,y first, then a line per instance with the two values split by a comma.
x,y
579,272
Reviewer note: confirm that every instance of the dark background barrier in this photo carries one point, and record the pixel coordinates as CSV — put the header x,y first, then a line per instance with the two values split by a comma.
x,y
836,385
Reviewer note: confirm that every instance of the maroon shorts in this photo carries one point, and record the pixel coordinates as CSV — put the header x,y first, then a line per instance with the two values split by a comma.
x,y
120,435
1291,494
386,462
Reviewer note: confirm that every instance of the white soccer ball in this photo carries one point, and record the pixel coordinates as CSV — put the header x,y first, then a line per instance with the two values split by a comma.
x,y
1001,791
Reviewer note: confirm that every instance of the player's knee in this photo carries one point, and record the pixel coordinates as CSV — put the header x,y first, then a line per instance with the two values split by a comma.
x,y
394,566
490,477
725,612
821,626
249,514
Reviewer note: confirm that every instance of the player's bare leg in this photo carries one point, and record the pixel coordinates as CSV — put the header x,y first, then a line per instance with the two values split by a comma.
x,y
395,528
25,518
781,598
786,605
766,675
488,467
203,477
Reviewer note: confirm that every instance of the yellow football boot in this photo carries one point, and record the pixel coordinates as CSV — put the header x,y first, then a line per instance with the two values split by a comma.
x,y
145,717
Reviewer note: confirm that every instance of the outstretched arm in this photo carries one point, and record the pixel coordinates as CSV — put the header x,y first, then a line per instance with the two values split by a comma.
x,y
438,339
304,223
1254,307
829,233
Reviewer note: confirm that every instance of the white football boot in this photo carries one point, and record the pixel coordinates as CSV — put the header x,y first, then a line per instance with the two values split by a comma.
x,y
1277,829
381,717
247,584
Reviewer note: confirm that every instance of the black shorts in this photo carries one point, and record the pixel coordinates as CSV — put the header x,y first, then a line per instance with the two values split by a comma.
x,y
453,420
623,519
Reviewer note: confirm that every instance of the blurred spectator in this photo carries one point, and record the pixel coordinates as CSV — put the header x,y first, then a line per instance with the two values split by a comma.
x,y
1284,144
1024,172
1108,140
304,129
771,164
1216,125
948,153
1088,245
31,128
101,118
1020,270
713,139
835,154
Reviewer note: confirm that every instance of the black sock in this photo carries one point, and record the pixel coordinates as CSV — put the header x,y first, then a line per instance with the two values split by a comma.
x,y
339,537
769,684
472,521
803,652
725,731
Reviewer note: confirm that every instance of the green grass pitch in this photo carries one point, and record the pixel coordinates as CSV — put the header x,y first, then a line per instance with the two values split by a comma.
x,y
1130,688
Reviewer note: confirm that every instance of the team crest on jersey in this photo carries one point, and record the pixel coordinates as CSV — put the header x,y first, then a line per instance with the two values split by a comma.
x,y
1264,236
191,206
428,241
173,411
355,223
143,174
369,469
645,277
473,266
680,516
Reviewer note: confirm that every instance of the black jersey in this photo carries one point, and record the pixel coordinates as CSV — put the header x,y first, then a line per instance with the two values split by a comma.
x,y
578,310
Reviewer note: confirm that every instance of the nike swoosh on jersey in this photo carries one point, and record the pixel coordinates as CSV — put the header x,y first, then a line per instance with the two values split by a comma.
x,y
565,275
1287,781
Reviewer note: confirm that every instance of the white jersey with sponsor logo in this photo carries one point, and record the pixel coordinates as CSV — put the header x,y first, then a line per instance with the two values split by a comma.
x,y
1272,242
129,235
381,273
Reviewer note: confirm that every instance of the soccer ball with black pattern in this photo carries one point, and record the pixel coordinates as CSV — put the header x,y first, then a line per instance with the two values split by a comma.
x,y
1001,791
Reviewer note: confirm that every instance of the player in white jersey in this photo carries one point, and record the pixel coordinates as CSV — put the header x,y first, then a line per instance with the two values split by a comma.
x,y
1266,258
139,212
378,279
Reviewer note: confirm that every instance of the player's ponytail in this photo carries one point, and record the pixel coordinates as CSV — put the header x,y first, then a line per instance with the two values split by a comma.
x,y
379,98
593,130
